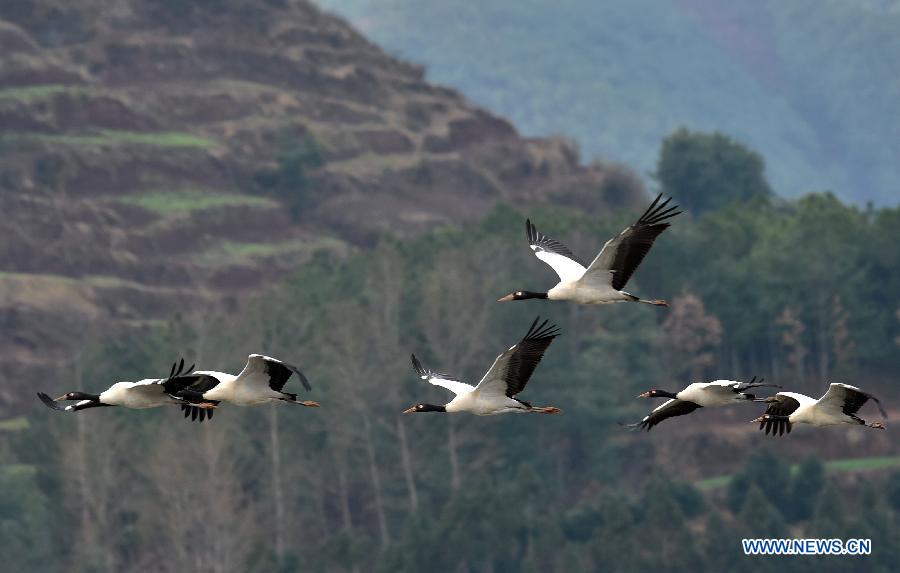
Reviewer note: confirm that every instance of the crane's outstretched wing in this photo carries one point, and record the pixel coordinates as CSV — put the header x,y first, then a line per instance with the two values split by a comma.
x,y
442,380
80,405
738,387
622,254
554,253
666,410
512,369
847,399
271,372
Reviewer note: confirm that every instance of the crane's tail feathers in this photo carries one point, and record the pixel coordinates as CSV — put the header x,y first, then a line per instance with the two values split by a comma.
x,y
758,383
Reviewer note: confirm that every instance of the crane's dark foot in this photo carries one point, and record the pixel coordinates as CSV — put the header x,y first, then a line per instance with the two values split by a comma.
x,y
546,410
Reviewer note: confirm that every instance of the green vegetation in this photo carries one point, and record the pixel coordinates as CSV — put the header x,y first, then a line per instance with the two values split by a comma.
x,y
792,79
512,493
107,138
289,181
236,253
710,171
29,93
831,466
863,464
14,424
185,201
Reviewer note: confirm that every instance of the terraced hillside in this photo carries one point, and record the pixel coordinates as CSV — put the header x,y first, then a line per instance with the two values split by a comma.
x,y
160,156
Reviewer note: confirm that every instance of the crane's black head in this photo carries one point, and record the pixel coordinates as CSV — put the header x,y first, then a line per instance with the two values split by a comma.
x,y
79,396
656,394
522,295
425,408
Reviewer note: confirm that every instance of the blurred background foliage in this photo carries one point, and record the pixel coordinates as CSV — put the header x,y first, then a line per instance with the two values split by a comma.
x,y
794,290
145,134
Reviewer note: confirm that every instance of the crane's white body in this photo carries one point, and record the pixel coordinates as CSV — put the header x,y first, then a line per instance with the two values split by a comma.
x,y
241,390
710,394
147,393
256,384
839,405
483,402
826,411
577,284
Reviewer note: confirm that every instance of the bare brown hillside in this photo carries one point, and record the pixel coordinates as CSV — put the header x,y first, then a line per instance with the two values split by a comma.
x,y
159,155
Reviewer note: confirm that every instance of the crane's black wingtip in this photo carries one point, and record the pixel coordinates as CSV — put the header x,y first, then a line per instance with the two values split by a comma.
x,y
542,330
530,232
880,407
635,427
303,380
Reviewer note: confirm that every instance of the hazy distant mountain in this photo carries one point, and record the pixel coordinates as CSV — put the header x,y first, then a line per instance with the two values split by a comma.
x,y
809,83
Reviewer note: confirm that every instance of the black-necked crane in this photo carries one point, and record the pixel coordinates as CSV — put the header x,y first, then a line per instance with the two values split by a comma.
x,y
837,406
602,281
697,395
497,390
147,393
261,381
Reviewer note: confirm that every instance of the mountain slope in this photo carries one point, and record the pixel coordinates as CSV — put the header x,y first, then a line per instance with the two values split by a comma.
x,y
157,157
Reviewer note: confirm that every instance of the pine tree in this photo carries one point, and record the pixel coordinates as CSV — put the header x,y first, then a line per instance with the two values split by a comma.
x,y
764,470
759,516
829,517
805,487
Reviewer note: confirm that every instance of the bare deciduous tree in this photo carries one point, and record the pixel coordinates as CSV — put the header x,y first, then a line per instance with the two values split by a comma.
x,y
693,335
792,333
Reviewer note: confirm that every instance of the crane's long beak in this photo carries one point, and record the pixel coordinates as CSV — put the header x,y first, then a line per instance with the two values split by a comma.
x,y
63,397
409,410
644,394
757,420
309,403
507,298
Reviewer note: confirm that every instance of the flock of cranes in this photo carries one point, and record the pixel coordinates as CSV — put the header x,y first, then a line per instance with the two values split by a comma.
x,y
199,393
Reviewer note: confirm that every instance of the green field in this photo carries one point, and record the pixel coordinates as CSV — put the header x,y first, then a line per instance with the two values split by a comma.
x,y
832,466
110,138
28,93
189,200
14,424
240,253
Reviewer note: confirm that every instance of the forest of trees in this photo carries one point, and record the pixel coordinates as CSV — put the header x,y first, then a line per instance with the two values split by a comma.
x,y
798,291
